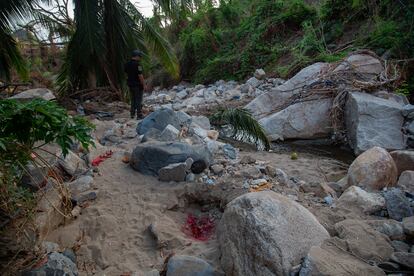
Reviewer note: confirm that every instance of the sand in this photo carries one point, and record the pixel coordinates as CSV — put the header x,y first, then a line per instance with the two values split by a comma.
x,y
111,236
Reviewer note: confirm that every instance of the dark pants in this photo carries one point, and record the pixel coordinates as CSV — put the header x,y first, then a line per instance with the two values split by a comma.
x,y
136,99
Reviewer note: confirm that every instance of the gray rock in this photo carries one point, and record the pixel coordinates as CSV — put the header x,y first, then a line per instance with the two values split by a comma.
x,y
229,151
332,259
253,82
274,100
34,178
184,118
304,120
150,157
410,128
372,121
404,159
152,134
354,198
408,111
365,65
80,185
83,197
363,241
389,227
260,74
265,233
37,93
408,225
159,120
270,171
50,247
170,133
251,172
70,254
180,265
397,204
57,264
400,246
247,159
182,94
72,164
173,172
406,181
217,168
202,121
373,170
403,258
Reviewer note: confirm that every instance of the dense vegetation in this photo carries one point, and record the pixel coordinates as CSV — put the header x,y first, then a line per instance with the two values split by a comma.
x,y
230,40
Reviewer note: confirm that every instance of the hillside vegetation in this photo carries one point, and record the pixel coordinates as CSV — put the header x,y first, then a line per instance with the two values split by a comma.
x,y
230,40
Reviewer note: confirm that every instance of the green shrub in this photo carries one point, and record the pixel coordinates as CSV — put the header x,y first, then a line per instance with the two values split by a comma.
x,y
22,126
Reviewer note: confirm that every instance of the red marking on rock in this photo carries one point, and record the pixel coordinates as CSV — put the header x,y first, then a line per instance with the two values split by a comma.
x,y
98,160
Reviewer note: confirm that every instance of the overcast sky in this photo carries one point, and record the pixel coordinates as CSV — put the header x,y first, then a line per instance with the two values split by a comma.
x,y
145,6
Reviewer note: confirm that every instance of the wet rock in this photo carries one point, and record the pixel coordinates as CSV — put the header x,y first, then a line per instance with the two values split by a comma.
x,y
37,93
408,225
72,164
318,189
404,159
397,204
304,120
247,159
180,265
372,121
150,157
403,258
406,181
364,241
260,74
400,246
389,227
159,119
332,259
80,185
173,172
265,233
230,151
354,198
57,264
373,170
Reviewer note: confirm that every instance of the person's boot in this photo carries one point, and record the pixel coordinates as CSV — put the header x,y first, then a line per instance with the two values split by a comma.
x,y
140,116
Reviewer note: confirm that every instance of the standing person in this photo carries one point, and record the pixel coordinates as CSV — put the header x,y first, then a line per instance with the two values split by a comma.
x,y
136,83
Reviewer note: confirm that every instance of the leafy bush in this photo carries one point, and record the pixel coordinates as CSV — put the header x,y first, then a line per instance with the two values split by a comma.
x,y
25,127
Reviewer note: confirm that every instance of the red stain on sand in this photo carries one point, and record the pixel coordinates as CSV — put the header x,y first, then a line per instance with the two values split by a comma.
x,y
199,228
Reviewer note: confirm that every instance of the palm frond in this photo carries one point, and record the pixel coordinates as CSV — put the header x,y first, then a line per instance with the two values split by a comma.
x,y
10,57
153,40
246,128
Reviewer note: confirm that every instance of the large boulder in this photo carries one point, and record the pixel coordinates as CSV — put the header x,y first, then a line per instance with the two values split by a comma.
x,y
367,66
372,121
404,159
373,170
363,241
150,157
332,259
305,120
265,233
37,93
277,99
181,265
159,120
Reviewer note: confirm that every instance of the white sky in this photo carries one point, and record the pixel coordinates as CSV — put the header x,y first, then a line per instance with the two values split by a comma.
x,y
145,6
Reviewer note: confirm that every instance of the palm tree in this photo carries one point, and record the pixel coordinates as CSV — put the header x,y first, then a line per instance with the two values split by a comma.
x,y
105,33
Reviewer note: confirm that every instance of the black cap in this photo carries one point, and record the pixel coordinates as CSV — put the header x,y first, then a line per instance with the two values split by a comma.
x,y
136,53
